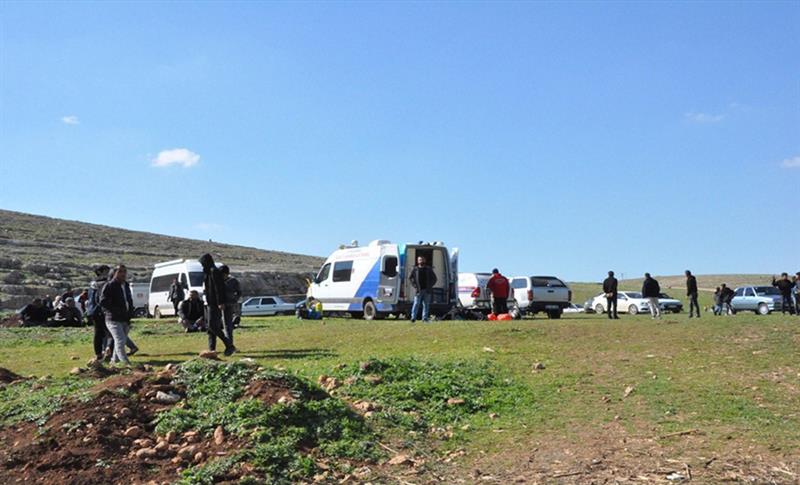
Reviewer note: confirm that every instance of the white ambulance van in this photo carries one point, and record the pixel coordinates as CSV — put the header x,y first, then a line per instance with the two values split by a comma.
x,y
371,281
188,272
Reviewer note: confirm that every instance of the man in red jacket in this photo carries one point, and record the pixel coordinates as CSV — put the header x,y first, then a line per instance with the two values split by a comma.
x,y
499,286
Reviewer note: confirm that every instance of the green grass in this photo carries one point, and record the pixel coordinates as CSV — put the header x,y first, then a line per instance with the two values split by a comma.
x,y
727,376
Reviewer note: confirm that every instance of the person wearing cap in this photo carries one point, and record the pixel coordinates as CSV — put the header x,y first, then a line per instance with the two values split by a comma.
x,y
500,288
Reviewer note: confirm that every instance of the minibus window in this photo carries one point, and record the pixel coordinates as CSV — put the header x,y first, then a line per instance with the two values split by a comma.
x,y
342,271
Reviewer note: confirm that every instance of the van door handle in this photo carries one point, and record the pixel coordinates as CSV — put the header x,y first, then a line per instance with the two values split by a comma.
x,y
551,291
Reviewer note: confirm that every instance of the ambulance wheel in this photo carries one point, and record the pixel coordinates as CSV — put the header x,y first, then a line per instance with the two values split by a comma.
x,y
370,312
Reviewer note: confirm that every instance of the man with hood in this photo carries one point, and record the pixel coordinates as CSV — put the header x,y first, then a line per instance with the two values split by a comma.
x,y
95,314
214,286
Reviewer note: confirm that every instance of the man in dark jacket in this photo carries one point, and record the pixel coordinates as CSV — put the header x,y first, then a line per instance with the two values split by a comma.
x,y
94,312
117,304
691,292
176,294
610,290
190,313
214,287
726,297
785,286
797,294
232,294
651,290
423,279
34,313
500,288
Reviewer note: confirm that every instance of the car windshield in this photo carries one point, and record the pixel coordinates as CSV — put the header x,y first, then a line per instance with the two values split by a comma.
x,y
546,281
633,294
766,290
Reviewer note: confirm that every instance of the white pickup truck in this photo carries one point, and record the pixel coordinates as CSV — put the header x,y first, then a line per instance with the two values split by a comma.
x,y
536,294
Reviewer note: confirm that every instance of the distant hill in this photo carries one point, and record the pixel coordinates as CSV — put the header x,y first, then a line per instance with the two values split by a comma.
x,y
42,255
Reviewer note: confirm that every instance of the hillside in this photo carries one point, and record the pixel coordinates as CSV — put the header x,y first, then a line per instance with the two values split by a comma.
x,y
42,255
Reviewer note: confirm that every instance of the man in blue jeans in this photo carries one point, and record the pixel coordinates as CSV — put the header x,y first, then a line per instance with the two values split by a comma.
x,y
423,279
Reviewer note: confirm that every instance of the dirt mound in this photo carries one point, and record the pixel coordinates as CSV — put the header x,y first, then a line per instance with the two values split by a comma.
x,y
109,439
6,376
11,321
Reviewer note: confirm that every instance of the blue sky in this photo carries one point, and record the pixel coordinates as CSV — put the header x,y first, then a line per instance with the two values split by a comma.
x,y
563,138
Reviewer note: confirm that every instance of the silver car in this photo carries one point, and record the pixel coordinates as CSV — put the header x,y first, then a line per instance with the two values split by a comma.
x,y
758,299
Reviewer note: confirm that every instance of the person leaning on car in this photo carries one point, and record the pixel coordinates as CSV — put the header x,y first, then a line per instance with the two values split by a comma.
x,y
691,292
785,286
651,291
610,290
726,298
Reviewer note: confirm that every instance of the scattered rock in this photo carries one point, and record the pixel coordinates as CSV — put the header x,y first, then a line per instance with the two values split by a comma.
x,y
365,406
219,435
373,379
143,443
161,447
187,452
209,354
73,357
493,416
170,437
146,453
628,391
286,399
328,383
488,349
191,437
76,371
401,460
133,432
538,366
125,413
455,401
166,397
199,457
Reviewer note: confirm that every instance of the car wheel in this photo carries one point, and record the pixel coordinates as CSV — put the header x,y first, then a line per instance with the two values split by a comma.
x,y
370,313
763,309
599,309
633,309
157,313
555,314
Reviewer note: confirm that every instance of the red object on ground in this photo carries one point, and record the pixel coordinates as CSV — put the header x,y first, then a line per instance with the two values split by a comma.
x,y
492,316
504,316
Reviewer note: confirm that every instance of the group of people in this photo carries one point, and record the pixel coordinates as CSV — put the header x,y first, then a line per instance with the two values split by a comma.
x,y
723,296
63,311
789,289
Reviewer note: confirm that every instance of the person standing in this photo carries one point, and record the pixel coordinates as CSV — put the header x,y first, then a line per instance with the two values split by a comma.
x,y
117,304
651,290
797,294
176,294
611,293
726,298
718,301
214,287
423,279
233,291
691,292
500,288
94,312
785,286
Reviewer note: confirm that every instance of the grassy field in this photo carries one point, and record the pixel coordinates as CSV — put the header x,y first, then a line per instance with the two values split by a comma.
x,y
718,397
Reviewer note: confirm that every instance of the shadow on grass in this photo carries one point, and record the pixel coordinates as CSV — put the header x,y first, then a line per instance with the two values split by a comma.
x,y
311,353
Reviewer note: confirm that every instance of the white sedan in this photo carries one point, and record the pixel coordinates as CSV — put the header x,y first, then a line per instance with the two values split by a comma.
x,y
266,305
627,302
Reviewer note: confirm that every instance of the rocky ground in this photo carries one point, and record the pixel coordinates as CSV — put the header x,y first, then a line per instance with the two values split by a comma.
x,y
46,256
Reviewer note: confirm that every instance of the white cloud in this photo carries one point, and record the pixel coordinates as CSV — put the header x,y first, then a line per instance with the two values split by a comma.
x,y
70,120
176,156
791,162
704,117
